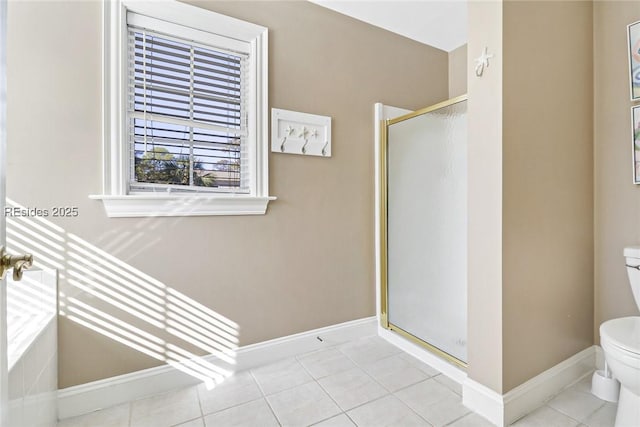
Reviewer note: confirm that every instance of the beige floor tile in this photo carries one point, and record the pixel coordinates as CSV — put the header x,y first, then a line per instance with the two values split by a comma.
x,y
546,417
442,412
387,411
575,404
251,414
584,385
341,420
424,393
472,420
118,416
419,364
326,362
198,422
280,376
352,388
235,390
368,350
394,372
603,417
452,385
166,410
302,405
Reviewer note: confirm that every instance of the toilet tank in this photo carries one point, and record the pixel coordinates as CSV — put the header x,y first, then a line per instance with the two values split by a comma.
x,y
632,261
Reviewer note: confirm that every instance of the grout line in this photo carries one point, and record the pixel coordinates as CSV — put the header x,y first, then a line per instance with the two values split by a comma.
x,y
131,402
366,403
273,412
325,392
232,406
464,416
458,397
459,418
330,397
264,397
188,421
566,415
361,367
288,387
447,385
389,393
416,363
411,385
591,413
327,419
373,378
200,401
411,409
255,380
351,419
388,356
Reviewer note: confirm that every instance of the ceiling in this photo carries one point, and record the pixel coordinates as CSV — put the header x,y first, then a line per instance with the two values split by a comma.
x,y
438,23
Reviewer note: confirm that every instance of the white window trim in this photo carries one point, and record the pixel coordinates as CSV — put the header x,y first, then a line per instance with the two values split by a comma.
x,y
114,195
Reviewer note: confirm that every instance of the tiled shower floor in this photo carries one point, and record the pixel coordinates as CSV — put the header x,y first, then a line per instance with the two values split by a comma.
x,y
362,383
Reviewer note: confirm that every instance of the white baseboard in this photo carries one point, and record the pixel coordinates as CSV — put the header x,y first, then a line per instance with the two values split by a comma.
x,y
85,398
503,410
500,409
483,401
424,355
539,389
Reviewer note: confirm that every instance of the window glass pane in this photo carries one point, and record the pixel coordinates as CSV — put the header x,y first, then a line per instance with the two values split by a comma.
x,y
186,109
166,153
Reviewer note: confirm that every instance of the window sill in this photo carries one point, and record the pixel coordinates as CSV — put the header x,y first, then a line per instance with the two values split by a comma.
x,y
129,206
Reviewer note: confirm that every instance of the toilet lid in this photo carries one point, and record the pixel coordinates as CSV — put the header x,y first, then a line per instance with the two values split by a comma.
x,y
623,333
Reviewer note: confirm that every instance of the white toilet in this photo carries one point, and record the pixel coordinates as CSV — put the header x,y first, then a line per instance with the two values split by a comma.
x,y
620,340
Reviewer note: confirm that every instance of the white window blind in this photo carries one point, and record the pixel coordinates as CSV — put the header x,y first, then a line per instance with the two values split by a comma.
x,y
186,114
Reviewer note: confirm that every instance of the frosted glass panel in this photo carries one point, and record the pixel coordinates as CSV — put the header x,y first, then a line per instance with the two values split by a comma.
x,y
427,227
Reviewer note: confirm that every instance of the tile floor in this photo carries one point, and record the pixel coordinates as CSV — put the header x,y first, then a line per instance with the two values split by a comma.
x,y
362,383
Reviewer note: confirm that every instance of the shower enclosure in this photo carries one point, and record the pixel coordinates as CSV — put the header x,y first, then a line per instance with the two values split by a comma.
x,y
423,227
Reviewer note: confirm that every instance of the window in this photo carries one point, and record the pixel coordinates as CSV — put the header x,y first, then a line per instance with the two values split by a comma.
x,y
186,115
185,112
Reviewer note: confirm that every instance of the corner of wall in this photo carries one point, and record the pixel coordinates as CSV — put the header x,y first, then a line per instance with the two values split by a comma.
x,y
457,60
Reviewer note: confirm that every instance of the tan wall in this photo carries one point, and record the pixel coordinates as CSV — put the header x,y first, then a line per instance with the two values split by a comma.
x,y
308,263
485,200
547,185
617,199
458,71
530,189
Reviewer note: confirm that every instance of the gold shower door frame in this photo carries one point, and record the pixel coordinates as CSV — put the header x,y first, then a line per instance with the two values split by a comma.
x,y
384,302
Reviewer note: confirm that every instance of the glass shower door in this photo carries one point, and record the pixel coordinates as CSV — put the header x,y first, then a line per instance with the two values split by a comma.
x,y
426,227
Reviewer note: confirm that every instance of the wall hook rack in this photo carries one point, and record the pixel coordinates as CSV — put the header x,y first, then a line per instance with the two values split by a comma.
x,y
324,148
306,134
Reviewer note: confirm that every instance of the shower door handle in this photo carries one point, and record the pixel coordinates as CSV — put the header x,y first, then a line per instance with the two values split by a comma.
x,y
19,263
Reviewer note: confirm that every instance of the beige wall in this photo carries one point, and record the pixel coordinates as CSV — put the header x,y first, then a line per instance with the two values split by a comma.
x,y
485,200
530,189
458,71
617,199
547,185
308,263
